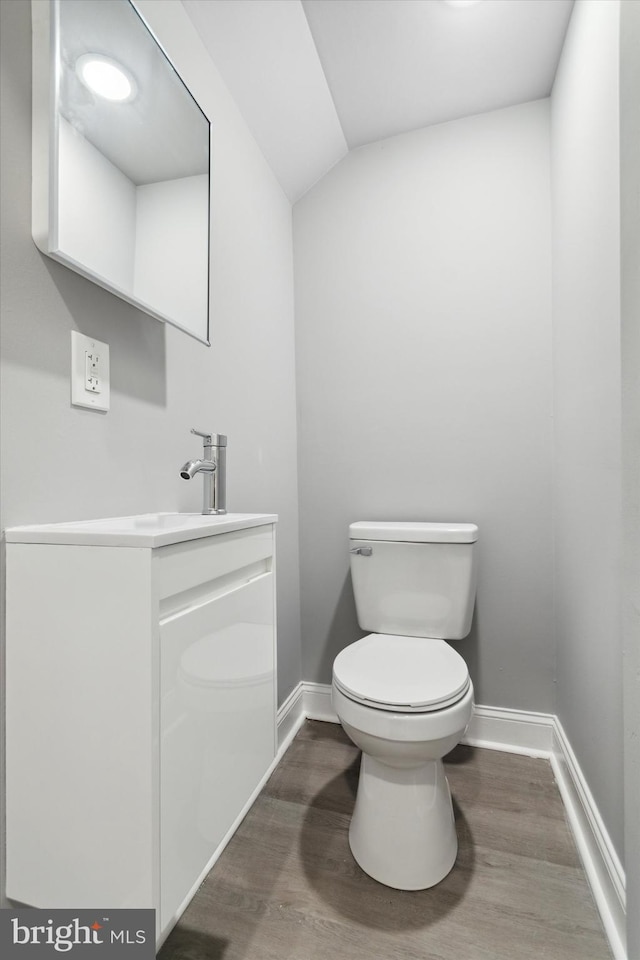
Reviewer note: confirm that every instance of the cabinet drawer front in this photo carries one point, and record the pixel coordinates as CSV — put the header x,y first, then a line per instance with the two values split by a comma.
x,y
182,566
217,726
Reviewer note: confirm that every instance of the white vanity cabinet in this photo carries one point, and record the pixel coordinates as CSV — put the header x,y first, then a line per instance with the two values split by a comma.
x,y
140,704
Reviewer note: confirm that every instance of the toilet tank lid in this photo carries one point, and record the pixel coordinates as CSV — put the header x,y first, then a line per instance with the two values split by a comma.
x,y
413,532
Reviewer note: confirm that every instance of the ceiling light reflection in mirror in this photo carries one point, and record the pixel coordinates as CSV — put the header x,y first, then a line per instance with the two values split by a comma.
x,y
105,77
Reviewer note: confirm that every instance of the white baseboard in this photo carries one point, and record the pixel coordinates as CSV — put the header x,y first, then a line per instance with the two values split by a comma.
x,y
533,734
513,731
317,702
601,863
291,715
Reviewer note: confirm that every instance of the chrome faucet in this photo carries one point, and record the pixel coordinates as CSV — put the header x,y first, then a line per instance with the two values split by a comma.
x,y
213,468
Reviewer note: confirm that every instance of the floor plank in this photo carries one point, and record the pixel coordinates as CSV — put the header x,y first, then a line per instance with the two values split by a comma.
x,y
287,887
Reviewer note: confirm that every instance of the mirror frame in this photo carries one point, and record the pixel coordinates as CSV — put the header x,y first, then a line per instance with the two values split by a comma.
x,y
45,16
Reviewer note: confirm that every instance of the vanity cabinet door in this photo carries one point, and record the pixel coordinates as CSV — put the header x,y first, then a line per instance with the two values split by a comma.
x,y
217,730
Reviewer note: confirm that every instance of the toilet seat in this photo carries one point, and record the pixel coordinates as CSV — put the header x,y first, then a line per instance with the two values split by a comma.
x,y
401,674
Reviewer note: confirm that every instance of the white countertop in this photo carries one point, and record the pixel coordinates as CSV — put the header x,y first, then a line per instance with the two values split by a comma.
x,y
145,530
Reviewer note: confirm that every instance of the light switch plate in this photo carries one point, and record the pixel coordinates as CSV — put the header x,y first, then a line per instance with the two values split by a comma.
x,y
89,372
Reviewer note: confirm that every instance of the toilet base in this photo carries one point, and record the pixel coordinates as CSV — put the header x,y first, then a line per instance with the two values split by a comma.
x,y
403,832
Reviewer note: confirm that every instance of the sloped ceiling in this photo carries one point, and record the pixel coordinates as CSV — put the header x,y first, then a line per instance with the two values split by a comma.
x,y
316,78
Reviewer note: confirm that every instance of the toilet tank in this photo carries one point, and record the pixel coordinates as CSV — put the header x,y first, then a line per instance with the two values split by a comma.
x,y
414,579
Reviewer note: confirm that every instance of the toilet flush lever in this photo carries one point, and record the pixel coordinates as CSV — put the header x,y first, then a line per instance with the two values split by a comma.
x,y
362,551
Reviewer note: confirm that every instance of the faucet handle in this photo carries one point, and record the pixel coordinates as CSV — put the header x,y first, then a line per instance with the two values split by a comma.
x,y
211,439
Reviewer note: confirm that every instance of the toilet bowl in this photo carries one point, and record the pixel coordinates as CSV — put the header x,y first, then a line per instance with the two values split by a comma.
x,y
406,700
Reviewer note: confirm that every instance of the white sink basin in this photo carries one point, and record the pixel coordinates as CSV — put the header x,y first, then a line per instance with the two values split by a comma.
x,y
143,530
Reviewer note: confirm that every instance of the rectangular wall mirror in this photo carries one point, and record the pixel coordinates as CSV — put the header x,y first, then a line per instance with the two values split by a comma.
x,y
121,160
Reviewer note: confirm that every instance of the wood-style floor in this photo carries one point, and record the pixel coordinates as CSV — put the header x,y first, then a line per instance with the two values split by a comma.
x,y
287,887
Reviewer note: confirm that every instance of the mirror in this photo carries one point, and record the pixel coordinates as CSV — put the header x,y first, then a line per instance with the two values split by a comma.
x,y
121,160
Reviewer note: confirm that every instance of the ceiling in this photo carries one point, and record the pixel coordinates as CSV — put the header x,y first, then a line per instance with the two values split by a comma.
x,y
316,78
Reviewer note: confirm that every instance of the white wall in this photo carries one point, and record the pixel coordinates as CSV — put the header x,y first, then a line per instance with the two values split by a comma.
x,y
423,339
630,343
587,466
171,264
60,462
97,203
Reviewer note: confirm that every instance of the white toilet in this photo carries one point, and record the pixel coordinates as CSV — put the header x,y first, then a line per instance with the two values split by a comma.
x,y
404,696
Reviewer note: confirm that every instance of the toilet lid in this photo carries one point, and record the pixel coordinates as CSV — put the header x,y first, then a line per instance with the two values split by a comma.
x,y
401,673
